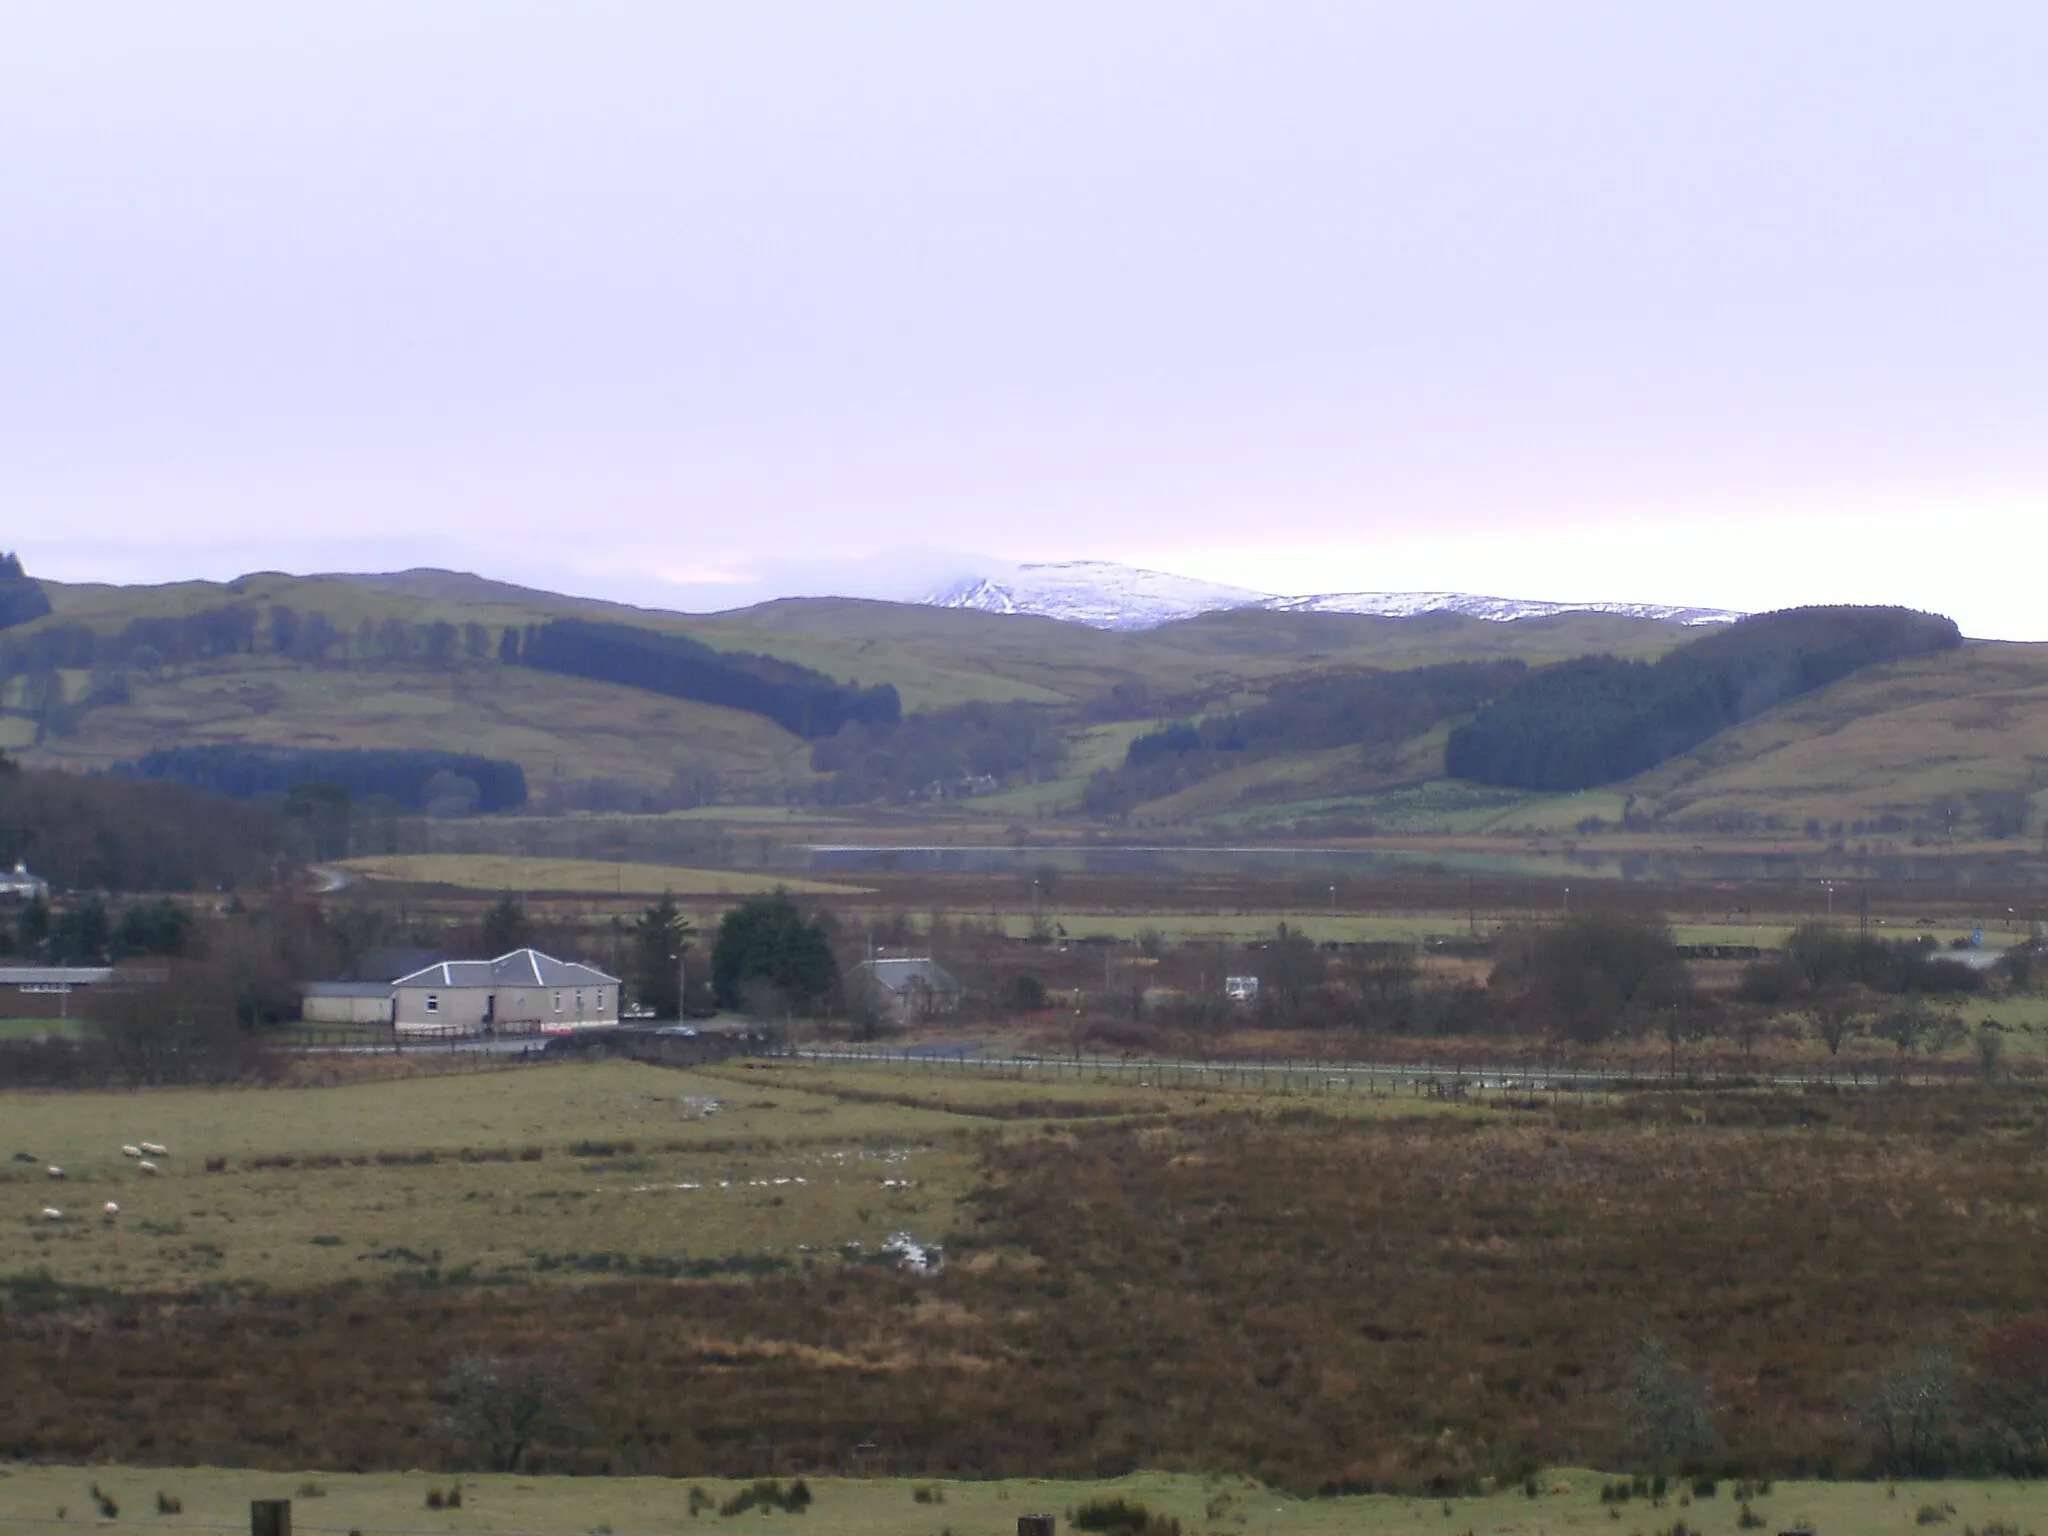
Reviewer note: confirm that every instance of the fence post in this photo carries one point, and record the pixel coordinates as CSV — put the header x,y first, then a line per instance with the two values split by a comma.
x,y
270,1517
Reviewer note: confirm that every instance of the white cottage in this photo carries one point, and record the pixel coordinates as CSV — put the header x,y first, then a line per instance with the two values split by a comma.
x,y
523,993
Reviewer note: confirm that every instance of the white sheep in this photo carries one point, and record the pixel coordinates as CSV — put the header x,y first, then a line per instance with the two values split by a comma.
x,y
156,1149
51,1213
110,1210
131,1151
55,1172
146,1166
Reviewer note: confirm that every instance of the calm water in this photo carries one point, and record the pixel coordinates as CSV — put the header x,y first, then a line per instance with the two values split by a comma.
x,y
1254,859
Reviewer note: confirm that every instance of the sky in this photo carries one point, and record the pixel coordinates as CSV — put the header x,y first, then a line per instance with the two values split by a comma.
x,y
1729,303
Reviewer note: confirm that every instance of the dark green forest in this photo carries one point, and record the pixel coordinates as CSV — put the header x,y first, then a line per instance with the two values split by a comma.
x,y
417,779
933,755
796,698
1371,710
1598,718
119,835
21,599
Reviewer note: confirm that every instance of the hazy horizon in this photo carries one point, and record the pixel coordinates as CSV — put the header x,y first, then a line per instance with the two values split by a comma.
x,y
1719,305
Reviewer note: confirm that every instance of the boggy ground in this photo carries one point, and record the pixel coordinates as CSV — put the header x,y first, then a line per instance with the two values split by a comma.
x,y
1308,1296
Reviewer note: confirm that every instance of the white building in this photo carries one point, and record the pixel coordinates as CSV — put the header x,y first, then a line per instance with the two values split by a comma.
x,y
523,993
18,884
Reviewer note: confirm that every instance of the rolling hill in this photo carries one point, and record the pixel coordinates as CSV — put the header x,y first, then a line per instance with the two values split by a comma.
x,y
1956,741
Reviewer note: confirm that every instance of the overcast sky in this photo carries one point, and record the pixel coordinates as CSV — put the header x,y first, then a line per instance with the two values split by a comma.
x,y
1723,303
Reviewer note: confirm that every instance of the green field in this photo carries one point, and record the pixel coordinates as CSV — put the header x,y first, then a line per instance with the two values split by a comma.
x,y
212,1498
31,1029
582,877
373,1180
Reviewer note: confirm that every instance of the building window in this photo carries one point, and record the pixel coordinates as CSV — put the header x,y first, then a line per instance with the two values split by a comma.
x,y
433,1002
579,1002
558,1002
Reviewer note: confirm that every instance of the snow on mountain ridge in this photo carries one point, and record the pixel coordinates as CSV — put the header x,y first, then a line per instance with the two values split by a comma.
x,y
1106,595
1098,593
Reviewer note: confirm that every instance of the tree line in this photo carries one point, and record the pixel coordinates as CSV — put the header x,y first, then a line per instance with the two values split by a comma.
x,y
800,700
416,778
1368,710
84,833
934,754
1598,719
21,598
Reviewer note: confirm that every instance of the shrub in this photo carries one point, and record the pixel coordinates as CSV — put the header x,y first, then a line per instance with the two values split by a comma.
x,y
169,1504
768,1493
1123,1517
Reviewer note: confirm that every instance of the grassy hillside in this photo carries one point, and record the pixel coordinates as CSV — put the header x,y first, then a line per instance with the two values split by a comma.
x,y
1965,732
554,727
562,730
1956,740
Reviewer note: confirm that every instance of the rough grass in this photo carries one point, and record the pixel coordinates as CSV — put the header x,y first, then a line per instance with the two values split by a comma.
x,y
35,1029
1903,739
537,719
881,1506
583,877
1305,1296
640,1171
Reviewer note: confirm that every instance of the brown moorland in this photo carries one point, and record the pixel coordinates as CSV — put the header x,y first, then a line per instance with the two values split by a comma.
x,y
1311,1298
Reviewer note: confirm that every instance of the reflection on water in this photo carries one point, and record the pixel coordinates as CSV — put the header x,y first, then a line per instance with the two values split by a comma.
x,y
1138,859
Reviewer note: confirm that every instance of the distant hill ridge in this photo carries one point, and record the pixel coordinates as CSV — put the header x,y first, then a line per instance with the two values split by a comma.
x,y
1108,595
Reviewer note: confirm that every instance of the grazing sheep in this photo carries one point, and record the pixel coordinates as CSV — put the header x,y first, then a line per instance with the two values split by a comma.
x,y
131,1151
55,1172
51,1213
110,1210
146,1166
156,1149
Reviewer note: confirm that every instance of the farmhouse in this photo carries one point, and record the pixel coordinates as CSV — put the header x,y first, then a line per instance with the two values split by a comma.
x,y
18,884
523,993
912,987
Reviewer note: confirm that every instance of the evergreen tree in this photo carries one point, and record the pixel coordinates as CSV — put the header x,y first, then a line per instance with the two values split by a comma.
x,y
505,926
765,940
660,936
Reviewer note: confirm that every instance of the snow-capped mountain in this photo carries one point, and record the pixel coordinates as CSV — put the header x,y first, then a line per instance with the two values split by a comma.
x,y
1100,593
1107,595
1499,609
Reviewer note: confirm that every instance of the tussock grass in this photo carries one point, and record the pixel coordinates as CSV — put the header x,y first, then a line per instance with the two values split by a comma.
x,y
1313,1299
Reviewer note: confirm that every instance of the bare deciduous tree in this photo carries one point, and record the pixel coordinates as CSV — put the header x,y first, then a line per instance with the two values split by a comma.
x,y
1664,1411
499,1407
1907,1416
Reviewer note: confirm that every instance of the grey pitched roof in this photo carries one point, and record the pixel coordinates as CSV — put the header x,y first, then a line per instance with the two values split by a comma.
x,y
53,975
387,964
521,968
345,988
902,973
